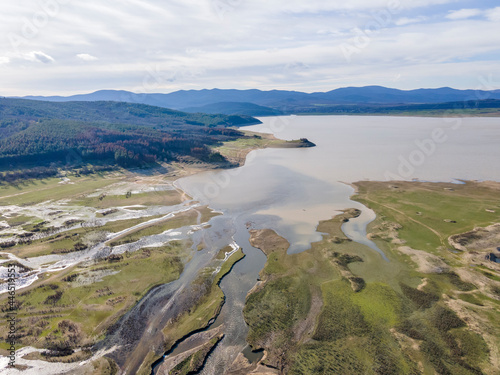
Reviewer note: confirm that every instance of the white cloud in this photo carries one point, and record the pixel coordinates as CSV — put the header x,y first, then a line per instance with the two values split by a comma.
x,y
4,60
406,21
256,44
86,57
463,14
314,6
38,56
493,14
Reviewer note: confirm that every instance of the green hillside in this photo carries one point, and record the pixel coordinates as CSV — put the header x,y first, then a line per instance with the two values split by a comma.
x,y
35,133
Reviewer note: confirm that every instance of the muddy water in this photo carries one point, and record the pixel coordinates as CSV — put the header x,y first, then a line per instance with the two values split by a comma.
x,y
291,190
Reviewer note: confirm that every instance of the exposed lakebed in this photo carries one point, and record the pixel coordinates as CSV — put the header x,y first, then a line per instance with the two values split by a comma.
x,y
291,190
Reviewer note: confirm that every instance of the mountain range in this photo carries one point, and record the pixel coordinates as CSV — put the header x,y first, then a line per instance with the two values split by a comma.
x,y
267,103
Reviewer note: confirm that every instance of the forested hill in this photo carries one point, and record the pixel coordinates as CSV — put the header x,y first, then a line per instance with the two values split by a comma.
x,y
36,133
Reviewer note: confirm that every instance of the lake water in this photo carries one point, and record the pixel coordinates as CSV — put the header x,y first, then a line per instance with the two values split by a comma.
x,y
291,190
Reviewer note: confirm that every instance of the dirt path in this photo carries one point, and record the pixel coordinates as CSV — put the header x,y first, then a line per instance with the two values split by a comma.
x,y
410,218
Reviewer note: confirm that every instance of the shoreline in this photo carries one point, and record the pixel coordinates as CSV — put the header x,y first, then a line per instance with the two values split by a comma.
x,y
425,278
174,172
355,185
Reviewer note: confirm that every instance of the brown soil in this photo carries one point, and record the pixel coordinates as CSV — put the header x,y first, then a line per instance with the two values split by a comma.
x,y
268,241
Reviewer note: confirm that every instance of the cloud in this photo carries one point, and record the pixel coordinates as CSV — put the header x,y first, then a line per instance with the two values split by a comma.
x,y
406,21
256,44
86,57
463,14
4,60
493,14
315,6
38,56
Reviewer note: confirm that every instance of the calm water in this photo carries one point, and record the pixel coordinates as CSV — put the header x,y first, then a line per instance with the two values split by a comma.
x,y
291,190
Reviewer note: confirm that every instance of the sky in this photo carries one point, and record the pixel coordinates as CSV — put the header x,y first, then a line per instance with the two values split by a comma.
x,y
64,47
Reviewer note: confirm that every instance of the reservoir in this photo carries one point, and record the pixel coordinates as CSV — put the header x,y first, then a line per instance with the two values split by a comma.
x,y
291,190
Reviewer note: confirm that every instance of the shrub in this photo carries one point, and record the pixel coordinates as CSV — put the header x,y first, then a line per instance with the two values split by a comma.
x,y
445,319
422,300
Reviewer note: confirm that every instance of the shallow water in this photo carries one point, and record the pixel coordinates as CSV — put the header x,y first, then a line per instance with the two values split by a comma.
x,y
291,190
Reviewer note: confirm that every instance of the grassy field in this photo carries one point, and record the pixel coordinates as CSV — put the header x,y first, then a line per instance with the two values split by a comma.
x,y
73,308
36,191
90,298
236,151
425,209
159,198
311,317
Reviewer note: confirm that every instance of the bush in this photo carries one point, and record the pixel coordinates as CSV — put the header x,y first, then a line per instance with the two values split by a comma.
x,y
421,299
445,319
461,285
54,298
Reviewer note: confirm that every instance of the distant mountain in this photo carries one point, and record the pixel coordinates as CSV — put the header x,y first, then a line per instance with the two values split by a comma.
x,y
38,133
232,108
186,99
288,102
383,95
468,106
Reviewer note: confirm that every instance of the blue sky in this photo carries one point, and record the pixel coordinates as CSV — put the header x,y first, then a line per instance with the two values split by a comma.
x,y
68,46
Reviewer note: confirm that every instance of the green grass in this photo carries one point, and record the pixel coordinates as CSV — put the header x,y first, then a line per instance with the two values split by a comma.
x,y
237,149
470,298
379,304
94,307
157,198
488,273
390,326
354,326
276,309
228,265
37,191
467,205
445,345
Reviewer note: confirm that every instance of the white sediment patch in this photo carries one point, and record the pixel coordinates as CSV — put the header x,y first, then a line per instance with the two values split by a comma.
x,y
149,222
235,247
92,277
22,279
39,367
59,262
156,240
130,208
195,228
